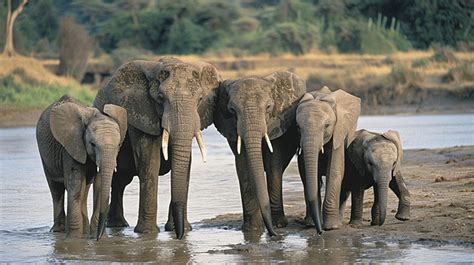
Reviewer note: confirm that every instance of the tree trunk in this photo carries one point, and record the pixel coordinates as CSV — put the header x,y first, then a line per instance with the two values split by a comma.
x,y
9,49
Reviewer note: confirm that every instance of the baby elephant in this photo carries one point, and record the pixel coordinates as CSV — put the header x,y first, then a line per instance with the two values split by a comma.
x,y
76,144
374,160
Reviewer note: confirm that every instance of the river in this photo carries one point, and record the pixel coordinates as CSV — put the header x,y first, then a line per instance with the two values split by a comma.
x,y
26,209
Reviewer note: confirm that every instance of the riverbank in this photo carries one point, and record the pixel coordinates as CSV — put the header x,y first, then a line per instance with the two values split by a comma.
x,y
441,185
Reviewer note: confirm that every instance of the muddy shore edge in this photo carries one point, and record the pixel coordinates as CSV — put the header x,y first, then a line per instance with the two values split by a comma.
x,y
441,185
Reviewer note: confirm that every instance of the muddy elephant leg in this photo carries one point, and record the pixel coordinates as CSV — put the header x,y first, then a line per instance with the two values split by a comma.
x,y
357,207
146,150
75,186
57,193
251,210
169,226
115,217
85,216
331,217
398,186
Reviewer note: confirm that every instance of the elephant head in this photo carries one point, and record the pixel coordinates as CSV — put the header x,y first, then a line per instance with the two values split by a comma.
x,y
252,109
324,118
171,99
86,132
378,156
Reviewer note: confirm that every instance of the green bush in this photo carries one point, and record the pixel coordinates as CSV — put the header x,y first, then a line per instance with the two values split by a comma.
x,y
444,55
34,94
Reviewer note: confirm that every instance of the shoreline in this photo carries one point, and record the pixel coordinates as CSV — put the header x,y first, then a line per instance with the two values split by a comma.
x,y
441,185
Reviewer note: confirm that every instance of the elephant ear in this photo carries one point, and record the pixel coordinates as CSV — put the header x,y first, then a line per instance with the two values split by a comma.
x,y
210,80
224,120
119,115
394,137
129,88
347,113
357,149
287,90
68,126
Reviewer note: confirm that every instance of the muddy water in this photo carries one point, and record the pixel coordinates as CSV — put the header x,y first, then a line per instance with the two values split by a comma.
x,y
26,210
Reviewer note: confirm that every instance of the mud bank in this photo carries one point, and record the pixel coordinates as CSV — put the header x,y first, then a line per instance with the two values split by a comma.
x,y
441,184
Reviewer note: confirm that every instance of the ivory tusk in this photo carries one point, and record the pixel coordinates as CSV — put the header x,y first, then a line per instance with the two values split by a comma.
x,y
115,169
201,145
299,151
164,143
269,143
239,144
97,169
322,149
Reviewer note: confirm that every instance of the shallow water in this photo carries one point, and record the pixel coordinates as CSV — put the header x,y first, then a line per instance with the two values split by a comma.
x,y
26,210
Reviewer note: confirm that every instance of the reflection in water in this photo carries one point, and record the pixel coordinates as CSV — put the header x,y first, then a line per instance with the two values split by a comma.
x,y
26,211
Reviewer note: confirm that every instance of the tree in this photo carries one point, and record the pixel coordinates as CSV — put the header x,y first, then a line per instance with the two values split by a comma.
x,y
9,49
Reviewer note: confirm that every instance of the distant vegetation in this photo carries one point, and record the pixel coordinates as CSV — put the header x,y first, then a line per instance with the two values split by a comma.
x,y
126,29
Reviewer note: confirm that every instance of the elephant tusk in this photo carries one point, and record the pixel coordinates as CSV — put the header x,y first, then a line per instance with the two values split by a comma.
x,y
115,169
164,143
201,145
299,151
322,149
97,169
239,144
269,143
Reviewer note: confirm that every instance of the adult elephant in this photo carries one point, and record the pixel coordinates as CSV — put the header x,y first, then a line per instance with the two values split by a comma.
x,y
374,160
77,145
250,111
168,103
327,122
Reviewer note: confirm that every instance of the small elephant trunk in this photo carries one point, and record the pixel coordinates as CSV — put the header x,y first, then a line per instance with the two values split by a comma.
x,y
311,153
106,170
380,202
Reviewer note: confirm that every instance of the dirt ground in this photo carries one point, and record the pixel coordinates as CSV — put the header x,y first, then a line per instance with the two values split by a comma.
x,y
19,117
441,185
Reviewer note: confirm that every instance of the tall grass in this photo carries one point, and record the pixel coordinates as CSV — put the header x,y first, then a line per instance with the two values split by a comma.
x,y
17,90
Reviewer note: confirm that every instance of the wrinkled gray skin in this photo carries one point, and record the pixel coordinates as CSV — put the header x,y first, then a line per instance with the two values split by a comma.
x,y
159,95
250,108
374,161
325,119
76,144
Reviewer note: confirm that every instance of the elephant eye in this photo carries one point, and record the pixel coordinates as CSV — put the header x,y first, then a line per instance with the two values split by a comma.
x,y
269,107
195,74
231,109
163,75
92,144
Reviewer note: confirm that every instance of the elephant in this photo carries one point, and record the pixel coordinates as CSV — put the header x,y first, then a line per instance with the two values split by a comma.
x,y
78,145
168,103
249,110
327,122
374,160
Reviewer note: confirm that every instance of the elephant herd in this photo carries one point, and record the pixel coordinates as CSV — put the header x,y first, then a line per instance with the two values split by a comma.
x,y
144,119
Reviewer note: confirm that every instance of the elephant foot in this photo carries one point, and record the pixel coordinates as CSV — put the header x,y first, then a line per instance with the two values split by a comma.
x,y
117,222
58,228
253,225
169,226
308,221
279,220
76,233
403,215
332,224
356,223
146,228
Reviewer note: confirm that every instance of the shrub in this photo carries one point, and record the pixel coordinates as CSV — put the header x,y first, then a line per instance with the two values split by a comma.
x,y
74,45
420,63
463,72
444,54
125,54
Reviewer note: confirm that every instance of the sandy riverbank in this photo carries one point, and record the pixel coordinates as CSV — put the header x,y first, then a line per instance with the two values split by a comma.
x,y
441,184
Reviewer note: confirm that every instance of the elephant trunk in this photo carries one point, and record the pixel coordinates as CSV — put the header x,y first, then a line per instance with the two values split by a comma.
x,y
182,130
311,157
253,144
380,201
106,169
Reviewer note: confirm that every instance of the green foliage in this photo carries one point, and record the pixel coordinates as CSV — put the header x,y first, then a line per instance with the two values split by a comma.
x,y
29,93
445,55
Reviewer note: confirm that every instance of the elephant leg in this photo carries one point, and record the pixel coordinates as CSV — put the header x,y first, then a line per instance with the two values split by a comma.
x,y
85,216
146,150
115,217
357,207
398,186
342,201
331,217
169,226
253,220
76,186
57,193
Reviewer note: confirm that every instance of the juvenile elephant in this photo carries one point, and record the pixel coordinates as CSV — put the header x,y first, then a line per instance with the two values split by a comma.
x,y
168,103
76,144
374,160
251,111
327,122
